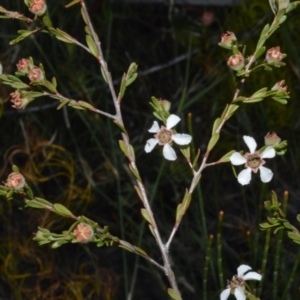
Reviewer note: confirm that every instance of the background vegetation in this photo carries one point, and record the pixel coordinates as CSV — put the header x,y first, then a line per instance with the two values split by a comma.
x,y
72,157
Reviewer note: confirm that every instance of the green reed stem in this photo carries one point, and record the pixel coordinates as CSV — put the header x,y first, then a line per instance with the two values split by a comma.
x,y
265,259
202,213
292,276
219,248
205,268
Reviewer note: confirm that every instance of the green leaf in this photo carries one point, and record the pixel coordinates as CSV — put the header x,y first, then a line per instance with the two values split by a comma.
x,y
226,157
92,46
213,140
179,212
62,210
140,251
131,79
47,21
83,16
85,104
135,172
173,294
280,100
72,3
216,125
49,86
231,110
120,126
54,82
122,87
260,52
35,204
146,215
123,147
263,36
103,74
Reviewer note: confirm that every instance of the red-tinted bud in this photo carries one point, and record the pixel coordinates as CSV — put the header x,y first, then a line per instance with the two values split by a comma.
x,y
83,233
38,7
36,74
236,62
227,40
15,180
274,55
272,139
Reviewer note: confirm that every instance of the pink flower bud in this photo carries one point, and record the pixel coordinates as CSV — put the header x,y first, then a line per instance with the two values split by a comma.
x,y
227,40
18,101
274,55
236,62
207,17
83,233
165,104
272,139
279,86
38,7
24,65
15,180
36,74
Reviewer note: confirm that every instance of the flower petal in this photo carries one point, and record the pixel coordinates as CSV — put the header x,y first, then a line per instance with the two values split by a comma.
x,y
244,176
250,142
253,276
181,138
269,152
265,174
239,294
225,294
155,128
172,121
237,159
150,145
169,152
242,269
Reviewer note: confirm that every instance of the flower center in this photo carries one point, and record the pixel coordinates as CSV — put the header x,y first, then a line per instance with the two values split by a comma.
x,y
164,136
254,161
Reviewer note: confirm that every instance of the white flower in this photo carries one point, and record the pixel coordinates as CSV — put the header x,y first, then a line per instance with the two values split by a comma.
x,y
237,283
253,162
165,136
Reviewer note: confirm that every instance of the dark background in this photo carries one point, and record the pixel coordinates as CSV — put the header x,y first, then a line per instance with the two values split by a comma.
x,y
73,158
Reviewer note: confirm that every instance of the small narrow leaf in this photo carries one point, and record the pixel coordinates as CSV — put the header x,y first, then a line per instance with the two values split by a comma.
x,y
62,210
173,294
146,215
92,46
72,3
214,139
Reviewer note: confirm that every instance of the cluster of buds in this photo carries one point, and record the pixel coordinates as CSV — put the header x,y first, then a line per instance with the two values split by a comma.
x,y
37,7
26,67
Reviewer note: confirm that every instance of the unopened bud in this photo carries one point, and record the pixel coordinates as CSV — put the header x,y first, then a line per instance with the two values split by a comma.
x,y
165,104
227,40
38,7
236,62
15,180
18,101
24,65
274,55
83,233
279,86
36,74
207,17
272,139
